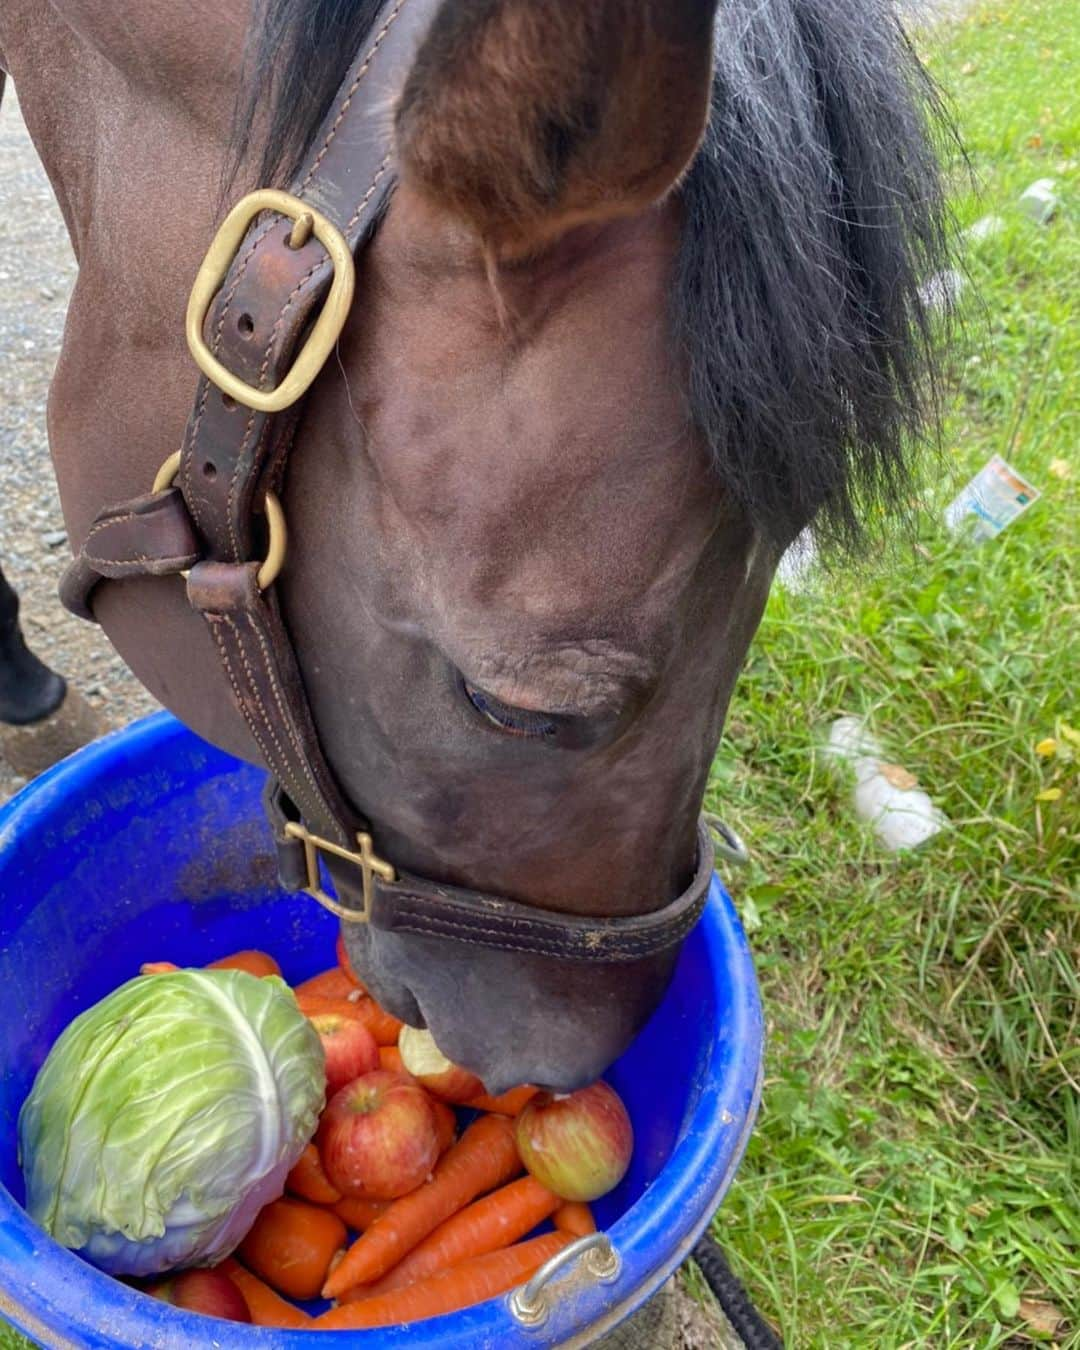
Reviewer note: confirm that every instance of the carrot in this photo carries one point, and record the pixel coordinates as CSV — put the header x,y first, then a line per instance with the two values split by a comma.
x,y
390,1058
509,1104
459,1287
157,968
311,1005
308,1180
344,962
484,1157
267,1308
255,963
486,1225
445,1123
330,984
359,1212
574,1217
383,1026
291,1245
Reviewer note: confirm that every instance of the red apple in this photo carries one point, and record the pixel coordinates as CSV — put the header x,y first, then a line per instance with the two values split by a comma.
x,y
421,1057
350,1048
578,1145
378,1137
209,1292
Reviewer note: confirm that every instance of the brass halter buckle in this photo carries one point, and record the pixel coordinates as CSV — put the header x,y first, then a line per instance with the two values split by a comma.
x,y
370,865
327,327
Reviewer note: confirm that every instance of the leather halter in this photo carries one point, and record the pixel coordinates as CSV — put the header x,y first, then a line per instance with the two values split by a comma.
x,y
266,311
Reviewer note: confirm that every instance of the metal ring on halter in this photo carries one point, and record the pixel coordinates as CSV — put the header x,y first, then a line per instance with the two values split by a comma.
x,y
275,519
529,1303
728,844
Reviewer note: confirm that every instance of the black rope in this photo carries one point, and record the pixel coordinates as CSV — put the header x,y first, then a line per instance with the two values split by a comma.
x,y
747,1323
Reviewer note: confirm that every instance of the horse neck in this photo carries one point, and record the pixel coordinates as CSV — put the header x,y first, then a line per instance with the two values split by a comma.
x,y
123,101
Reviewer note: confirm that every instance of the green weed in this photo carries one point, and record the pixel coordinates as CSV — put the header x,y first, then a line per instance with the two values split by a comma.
x,y
914,1178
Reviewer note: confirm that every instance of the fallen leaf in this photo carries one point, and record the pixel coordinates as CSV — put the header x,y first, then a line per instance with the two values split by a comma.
x,y
1048,795
1060,468
1047,747
1041,1316
898,777
750,914
968,68
1007,1297
1070,733
1035,142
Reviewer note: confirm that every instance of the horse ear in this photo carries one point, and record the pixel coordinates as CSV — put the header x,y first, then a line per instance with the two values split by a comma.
x,y
523,118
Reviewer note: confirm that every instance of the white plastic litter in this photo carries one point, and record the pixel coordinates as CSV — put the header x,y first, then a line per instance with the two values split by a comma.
x,y
793,570
986,227
886,796
943,290
995,497
1040,202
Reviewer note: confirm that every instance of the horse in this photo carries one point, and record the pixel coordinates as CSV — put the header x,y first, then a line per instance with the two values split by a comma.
x,y
645,303
29,690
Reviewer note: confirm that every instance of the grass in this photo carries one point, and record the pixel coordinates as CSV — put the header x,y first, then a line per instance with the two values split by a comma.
x,y
914,1179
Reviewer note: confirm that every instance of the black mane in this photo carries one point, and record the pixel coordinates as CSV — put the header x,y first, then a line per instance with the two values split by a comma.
x,y
814,215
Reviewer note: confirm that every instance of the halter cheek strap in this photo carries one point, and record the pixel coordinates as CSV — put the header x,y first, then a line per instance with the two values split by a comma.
x,y
266,311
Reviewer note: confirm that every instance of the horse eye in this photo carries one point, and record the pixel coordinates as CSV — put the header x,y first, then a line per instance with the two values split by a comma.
x,y
513,721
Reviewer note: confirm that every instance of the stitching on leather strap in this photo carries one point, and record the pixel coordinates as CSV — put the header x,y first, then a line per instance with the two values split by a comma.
x,y
189,448
268,352
234,483
281,757
280,764
135,564
379,172
256,239
590,940
107,524
344,107
472,935
286,719
533,923
214,621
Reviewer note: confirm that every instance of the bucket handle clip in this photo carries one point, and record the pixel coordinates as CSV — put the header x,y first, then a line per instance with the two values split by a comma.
x,y
726,842
529,1303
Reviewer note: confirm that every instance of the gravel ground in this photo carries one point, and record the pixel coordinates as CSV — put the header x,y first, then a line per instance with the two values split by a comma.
x,y
37,271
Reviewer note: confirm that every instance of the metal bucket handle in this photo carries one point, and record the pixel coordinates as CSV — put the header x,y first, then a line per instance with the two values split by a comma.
x,y
529,1303
727,843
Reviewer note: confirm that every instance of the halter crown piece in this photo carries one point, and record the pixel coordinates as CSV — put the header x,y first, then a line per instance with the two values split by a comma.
x,y
266,310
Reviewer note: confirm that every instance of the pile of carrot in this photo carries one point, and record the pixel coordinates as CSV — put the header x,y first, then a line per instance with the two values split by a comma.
x,y
459,1238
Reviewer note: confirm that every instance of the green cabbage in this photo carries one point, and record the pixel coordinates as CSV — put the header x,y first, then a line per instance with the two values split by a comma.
x,y
167,1115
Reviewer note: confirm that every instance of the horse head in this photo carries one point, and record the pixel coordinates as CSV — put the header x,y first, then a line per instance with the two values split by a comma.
x,y
644,304
573,426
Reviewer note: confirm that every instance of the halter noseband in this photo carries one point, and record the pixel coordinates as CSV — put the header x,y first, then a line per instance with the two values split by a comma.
x,y
280,277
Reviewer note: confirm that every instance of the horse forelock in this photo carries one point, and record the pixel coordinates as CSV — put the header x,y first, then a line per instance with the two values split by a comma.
x,y
813,214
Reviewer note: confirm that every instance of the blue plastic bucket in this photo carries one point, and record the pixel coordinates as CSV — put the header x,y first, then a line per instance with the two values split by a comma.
x,y
151,845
